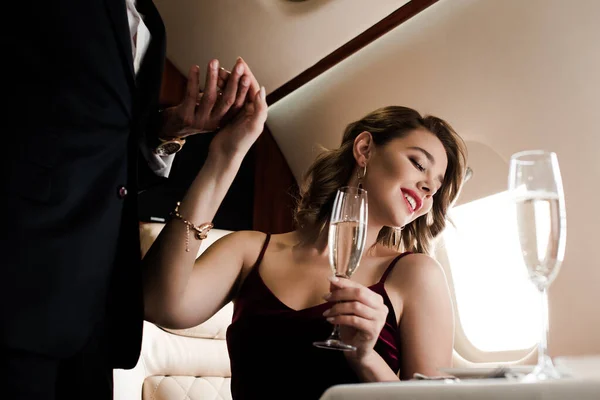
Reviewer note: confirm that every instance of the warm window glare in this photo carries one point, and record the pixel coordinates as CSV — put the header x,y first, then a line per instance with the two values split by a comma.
x,y
497,305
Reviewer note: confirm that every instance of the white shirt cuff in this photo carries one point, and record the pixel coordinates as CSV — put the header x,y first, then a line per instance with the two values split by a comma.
x,y
160,165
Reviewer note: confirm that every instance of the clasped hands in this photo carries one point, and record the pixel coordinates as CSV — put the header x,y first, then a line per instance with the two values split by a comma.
x,y
232,100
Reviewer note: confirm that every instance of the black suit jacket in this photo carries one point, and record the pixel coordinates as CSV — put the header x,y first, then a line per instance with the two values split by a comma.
x,y
70,239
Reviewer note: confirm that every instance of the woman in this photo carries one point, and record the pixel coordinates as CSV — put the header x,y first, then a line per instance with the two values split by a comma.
x,y
396,309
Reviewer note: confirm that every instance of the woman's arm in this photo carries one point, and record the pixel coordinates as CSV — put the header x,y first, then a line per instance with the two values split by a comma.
x,y
427,321
180,291
169,268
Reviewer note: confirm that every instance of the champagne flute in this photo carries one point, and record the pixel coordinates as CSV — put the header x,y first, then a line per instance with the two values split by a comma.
x,y
536,185
346,241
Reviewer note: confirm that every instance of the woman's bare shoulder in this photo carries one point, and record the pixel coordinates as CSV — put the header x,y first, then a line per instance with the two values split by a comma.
x,y
244,243
251,243
243,238
417,269
283,241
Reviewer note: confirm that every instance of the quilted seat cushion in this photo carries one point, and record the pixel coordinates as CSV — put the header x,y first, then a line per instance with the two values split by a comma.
x,y
186,388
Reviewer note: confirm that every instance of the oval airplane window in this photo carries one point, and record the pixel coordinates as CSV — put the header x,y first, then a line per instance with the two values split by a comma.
x,y
497,306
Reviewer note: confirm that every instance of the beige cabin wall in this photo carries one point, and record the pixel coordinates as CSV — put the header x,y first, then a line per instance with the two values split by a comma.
x,y
278,39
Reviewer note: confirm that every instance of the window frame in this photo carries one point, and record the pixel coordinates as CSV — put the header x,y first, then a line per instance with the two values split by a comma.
x,y
463,347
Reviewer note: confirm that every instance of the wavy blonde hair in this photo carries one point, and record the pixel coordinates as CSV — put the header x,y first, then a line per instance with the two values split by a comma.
x,y
333,169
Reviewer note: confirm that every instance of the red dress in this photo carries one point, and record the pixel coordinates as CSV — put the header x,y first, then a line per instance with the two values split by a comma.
x,y
270,345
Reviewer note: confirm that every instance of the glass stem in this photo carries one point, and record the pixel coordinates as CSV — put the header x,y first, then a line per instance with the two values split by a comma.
x,y
335,335
543,357
336,332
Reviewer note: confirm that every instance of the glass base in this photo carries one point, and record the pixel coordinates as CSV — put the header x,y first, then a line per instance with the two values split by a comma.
x,y
543,372
334,344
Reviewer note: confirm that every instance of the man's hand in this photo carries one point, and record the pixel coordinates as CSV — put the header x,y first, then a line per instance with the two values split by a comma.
x,y
225,93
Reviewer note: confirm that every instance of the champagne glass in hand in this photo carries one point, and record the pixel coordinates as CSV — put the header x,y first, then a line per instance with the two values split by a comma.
x,y
346,242
536,186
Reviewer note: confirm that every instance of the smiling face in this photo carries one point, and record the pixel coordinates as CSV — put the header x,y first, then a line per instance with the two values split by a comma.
x,y
407,156
402,177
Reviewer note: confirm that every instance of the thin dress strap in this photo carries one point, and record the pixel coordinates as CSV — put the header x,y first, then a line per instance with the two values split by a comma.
x,y
392,265
262,251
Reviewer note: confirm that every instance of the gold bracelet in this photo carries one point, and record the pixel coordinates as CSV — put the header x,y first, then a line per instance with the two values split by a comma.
x,y
201,232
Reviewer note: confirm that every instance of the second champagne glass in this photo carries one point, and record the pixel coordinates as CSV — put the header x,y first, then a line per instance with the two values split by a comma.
x,y
536,185
346,241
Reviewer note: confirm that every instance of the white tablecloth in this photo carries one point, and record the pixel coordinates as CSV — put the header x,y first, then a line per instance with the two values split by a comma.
x,y
584,385
488,389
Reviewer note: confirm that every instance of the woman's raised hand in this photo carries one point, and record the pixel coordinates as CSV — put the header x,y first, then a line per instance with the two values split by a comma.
x,y
243,129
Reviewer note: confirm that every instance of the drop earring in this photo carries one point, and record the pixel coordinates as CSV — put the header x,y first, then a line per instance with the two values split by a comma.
x,y
361,177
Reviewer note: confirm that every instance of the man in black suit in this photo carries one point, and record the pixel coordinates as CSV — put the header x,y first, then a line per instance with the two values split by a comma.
x,y
83,82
